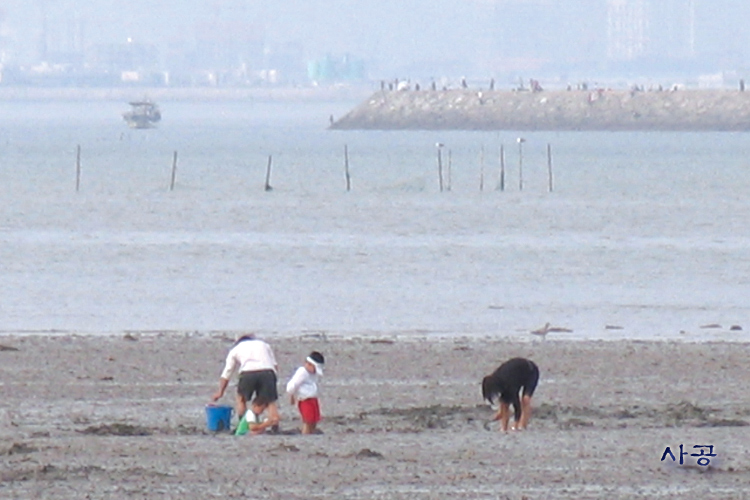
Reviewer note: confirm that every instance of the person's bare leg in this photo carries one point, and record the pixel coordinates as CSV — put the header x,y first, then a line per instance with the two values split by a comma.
x,y
525,412
273,415
240,406
504,416
306,428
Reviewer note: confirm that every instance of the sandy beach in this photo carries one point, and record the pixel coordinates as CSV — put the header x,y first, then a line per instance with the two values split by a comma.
x,y
123,417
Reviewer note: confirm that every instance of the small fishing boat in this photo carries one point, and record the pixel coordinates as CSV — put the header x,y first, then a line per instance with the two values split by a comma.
x,y
142,114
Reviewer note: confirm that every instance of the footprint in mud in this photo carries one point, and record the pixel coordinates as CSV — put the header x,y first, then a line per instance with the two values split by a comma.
x,y
116,429
285,447
18,448
368,453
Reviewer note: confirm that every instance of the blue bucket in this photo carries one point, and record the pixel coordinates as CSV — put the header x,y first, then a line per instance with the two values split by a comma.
x,y
218,417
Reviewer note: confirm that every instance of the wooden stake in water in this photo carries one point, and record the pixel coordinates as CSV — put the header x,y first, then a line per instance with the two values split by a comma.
x,y
174,171
549,165
268,174
78,167
346,168
481,169
501,181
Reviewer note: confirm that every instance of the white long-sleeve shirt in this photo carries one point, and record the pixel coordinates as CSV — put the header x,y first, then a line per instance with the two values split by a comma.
x,y
249,356
303,384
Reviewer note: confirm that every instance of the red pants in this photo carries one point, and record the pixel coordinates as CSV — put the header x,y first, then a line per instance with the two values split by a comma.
x,y
310,410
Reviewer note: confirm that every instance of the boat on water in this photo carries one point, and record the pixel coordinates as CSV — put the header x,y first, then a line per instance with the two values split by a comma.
x,y
142,114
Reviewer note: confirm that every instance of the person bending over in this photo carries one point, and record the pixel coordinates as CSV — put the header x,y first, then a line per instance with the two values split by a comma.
x,y
513,383
256,364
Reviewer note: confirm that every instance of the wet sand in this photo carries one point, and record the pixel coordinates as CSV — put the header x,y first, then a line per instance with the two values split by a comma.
x,y
123,417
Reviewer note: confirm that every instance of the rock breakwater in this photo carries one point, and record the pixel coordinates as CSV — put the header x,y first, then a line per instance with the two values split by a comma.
x,y
680,110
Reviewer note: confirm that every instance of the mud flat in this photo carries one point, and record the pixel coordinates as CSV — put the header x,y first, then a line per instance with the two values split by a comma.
x,y
681,110
122,417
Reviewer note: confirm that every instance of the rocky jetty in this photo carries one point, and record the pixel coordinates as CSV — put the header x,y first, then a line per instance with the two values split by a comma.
x,y
688,110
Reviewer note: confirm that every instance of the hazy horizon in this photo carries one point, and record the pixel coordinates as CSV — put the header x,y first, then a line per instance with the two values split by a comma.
x,y
398,39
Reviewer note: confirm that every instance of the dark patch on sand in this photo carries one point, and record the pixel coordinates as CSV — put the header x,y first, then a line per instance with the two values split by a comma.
x,y
367,453
462,418
117,429
18,448
51,472
285,448
417,419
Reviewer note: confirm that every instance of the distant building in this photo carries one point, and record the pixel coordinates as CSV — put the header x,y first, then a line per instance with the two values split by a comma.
x,y
627,29
330,69
284,64
128,56
650,29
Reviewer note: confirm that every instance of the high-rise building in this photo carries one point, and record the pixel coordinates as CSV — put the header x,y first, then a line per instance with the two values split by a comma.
x,y
627,29
650,29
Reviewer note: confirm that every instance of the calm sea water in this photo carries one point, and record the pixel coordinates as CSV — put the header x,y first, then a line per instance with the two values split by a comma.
x,y
649,232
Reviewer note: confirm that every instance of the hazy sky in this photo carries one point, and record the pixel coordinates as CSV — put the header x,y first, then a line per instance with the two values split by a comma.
x,y
391,35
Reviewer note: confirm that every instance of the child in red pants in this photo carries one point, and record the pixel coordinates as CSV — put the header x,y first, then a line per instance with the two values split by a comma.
x,y
303,390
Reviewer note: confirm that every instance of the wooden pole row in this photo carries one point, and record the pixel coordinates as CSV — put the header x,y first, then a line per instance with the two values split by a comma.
x,y
501,179
441,184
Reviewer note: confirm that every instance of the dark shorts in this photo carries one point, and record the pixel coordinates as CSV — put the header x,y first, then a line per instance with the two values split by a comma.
x,y
262,384
518,375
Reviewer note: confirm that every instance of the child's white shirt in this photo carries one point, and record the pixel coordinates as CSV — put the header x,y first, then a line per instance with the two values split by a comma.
x,y
303,384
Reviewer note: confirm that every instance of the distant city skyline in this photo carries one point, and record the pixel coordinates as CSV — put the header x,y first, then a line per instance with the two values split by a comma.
x,y
417,38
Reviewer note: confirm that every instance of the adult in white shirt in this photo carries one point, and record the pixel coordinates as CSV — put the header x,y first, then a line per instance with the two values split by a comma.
x,y
257,367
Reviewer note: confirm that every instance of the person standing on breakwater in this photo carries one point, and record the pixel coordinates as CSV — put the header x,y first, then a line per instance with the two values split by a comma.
x,y
256,363
507,382
303,390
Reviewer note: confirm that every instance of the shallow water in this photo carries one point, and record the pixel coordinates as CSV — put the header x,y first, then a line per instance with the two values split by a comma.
x,y
643,231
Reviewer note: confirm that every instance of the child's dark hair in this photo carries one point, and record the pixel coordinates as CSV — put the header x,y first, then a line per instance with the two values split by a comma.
x,y
490,389
259,401
317,357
